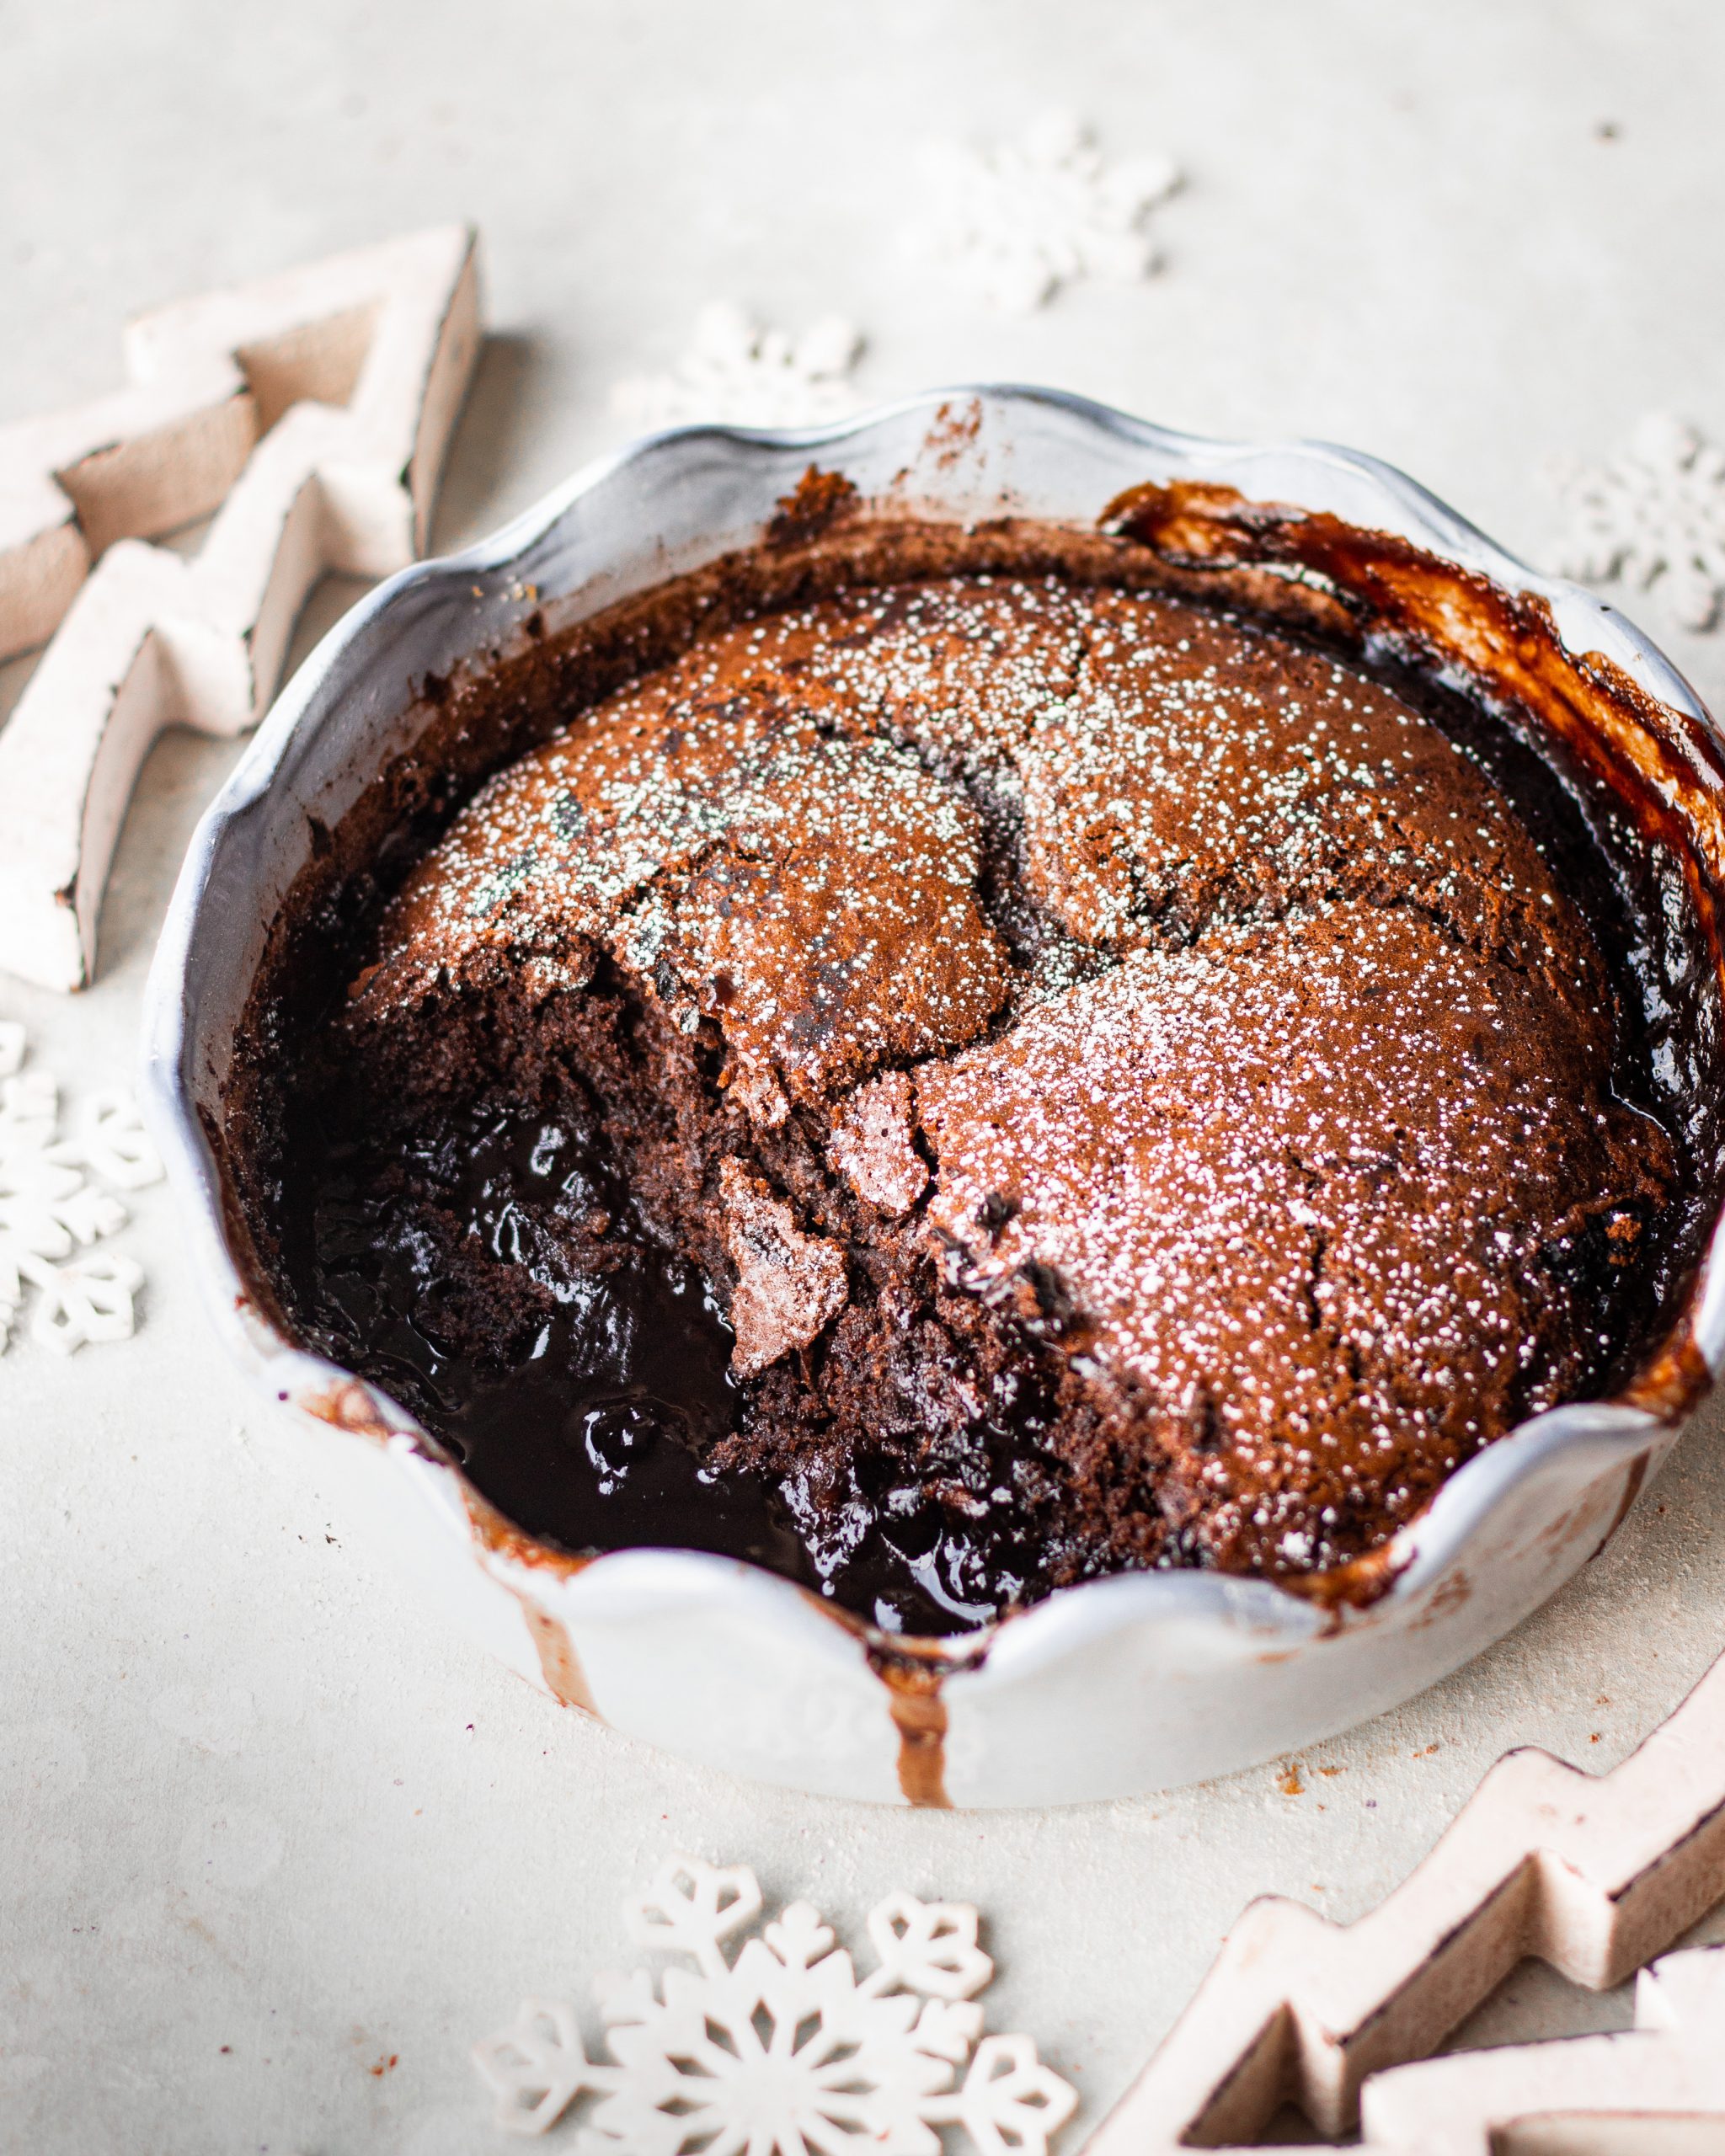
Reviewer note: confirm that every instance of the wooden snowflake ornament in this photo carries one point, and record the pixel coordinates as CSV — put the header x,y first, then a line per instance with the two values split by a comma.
x,y
314,408
1021,219
781,2049
740,373
1653,517
52,1212
1593,1875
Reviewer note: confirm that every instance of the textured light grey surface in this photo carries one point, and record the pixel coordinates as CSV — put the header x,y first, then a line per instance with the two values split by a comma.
x,y
225,1827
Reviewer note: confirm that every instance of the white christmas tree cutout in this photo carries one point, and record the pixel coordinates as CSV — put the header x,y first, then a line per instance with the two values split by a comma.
x,y
314,408
1593,1874
1606,2095
784,2049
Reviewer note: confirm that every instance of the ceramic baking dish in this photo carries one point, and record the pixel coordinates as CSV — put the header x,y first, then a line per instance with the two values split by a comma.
x,y
1136,1682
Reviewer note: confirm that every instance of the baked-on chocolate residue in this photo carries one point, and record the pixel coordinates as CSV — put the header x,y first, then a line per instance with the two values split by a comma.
x,y
954,433
560,1666
919,1713
789,917
817,501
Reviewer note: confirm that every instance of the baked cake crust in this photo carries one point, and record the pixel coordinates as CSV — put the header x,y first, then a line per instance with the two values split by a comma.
x,y
1026,1080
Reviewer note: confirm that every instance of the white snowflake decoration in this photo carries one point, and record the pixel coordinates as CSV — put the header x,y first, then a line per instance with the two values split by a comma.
x,y
1654,516
52,1214
783,2050
740,373
1023,218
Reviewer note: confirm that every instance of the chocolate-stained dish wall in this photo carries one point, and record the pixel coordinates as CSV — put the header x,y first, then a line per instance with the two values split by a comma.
x,y
953,1064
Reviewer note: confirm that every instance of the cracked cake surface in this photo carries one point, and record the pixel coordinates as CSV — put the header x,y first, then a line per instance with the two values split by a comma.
x,y
972,1084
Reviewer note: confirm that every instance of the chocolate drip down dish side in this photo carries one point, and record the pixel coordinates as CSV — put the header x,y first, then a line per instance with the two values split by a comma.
x,y
971,1068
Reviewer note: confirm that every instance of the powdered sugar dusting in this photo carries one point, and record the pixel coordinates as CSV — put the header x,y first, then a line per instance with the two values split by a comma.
x,y
873,1143
1259,1057
1325,1241
790,1285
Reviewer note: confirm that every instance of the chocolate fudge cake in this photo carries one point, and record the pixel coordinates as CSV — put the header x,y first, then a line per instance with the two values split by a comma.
x,y
977,1082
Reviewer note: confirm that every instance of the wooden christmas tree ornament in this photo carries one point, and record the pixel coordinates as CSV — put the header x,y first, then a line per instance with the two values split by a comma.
x,y
311,413
1657,2089
1593,1875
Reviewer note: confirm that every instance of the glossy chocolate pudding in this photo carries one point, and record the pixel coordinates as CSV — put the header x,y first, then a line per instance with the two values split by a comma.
x,y
972,1083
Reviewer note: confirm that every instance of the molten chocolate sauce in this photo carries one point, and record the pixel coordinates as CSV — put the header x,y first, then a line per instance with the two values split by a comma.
x,y
594,1434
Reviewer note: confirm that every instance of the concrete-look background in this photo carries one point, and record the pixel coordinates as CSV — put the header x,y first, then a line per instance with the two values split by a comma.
x,y
268,1828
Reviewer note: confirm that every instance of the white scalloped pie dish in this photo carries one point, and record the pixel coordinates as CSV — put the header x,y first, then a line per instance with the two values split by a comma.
x,y
1136,1682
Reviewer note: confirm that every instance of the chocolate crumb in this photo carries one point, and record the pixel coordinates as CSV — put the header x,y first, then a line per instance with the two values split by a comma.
x,y
789,1284
817,501
873,1145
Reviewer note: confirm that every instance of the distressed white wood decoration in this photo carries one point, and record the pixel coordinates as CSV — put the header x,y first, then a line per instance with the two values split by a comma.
x,y
740,373
782,2048
315,408
1593,1875
1653,517
1020,220
1670,2067
52,1213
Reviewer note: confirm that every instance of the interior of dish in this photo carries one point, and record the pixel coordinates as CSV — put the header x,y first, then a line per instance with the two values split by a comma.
x,y
727,1149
